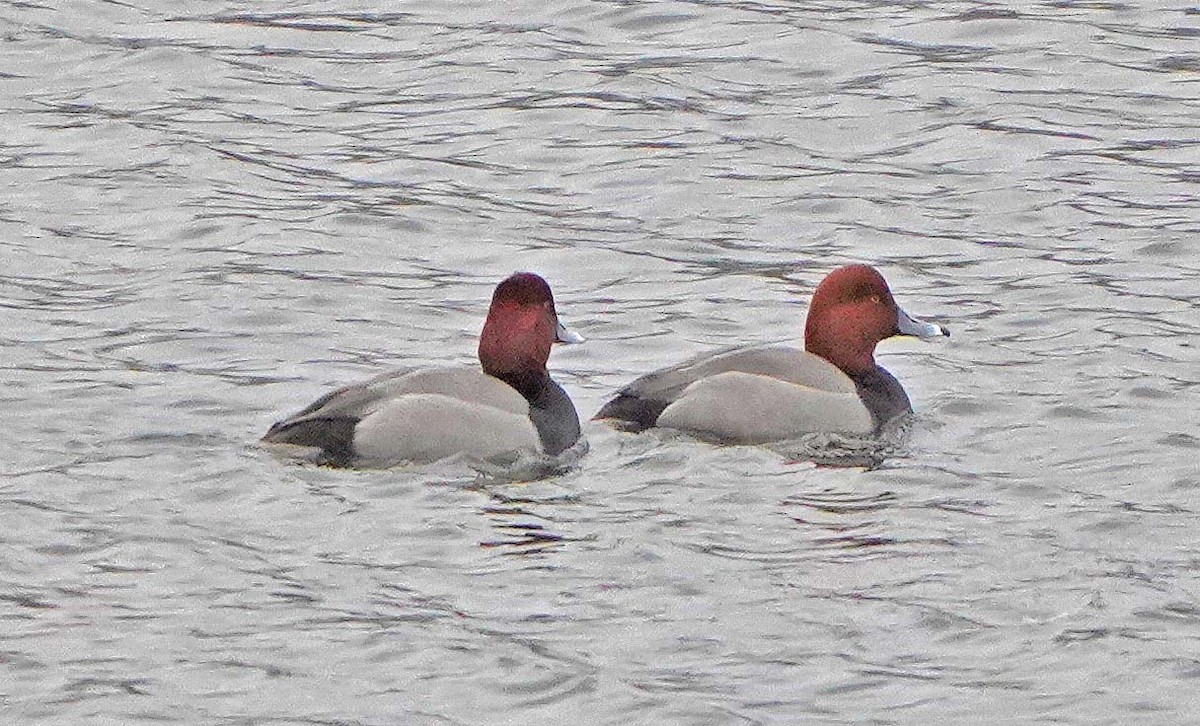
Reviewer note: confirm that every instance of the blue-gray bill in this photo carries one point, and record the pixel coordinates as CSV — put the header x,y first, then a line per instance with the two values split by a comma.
x,y
914,326
563,334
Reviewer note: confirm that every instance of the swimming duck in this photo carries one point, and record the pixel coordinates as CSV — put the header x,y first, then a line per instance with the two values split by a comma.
x,y
507,408
764,394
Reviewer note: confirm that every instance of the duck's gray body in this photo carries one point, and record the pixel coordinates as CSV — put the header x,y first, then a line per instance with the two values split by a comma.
x,y
757,395
426,415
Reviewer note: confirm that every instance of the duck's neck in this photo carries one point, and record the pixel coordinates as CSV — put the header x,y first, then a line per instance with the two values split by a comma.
x,y
882,394
529,383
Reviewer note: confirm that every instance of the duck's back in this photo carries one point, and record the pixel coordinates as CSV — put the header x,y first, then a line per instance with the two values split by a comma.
x,y
746,395
640,403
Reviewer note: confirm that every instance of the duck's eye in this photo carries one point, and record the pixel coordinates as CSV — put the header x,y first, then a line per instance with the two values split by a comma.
x,y
875,299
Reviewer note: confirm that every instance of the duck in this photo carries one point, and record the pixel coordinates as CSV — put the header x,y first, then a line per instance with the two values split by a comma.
x,y
506,409
759,395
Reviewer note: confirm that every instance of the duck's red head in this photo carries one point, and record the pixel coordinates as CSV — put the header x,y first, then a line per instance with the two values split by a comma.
x,y
852,310
521,326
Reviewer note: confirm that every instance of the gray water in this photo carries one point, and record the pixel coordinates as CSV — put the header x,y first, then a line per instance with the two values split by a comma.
x,y
213,213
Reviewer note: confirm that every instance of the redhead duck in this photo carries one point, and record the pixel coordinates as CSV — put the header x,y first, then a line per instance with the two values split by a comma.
x,y
508,409
760,395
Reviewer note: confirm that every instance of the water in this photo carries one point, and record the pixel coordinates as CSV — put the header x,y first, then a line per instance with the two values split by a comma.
x,y
214,213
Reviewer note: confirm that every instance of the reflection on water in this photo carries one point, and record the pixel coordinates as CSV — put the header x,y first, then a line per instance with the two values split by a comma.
x,y
211,212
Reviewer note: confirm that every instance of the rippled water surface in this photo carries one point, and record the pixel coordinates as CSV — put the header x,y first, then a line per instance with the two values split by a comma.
x,y
212,213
